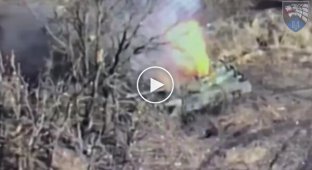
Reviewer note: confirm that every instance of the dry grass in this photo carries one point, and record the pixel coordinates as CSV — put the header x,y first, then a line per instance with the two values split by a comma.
x,y
74,118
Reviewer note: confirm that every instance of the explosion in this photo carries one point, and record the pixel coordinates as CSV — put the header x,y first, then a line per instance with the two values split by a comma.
x,y
184,54
190,55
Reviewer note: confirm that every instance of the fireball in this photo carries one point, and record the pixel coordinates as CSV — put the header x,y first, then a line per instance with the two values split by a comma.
x,y
189,49
186,56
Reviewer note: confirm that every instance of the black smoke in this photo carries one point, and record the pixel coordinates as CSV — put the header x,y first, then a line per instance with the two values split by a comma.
x,y
23,34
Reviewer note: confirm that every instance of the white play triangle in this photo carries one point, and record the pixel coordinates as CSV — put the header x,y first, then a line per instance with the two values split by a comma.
x,y
154,85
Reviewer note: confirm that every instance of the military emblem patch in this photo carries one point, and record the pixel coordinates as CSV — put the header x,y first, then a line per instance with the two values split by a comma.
x,y
296,14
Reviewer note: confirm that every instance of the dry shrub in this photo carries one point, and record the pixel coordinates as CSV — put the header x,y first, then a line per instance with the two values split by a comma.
x,y
77,116
243,36
161,144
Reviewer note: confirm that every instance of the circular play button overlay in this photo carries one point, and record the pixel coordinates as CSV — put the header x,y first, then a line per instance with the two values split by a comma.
x,y
152,80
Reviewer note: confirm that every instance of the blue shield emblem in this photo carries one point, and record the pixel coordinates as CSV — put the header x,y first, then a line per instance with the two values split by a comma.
x,y
296,14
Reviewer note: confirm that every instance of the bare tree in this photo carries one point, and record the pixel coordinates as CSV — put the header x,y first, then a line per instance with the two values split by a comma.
x,y
78,113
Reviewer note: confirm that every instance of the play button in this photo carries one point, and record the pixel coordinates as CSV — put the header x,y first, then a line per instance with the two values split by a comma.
x,y
155,85
153,80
